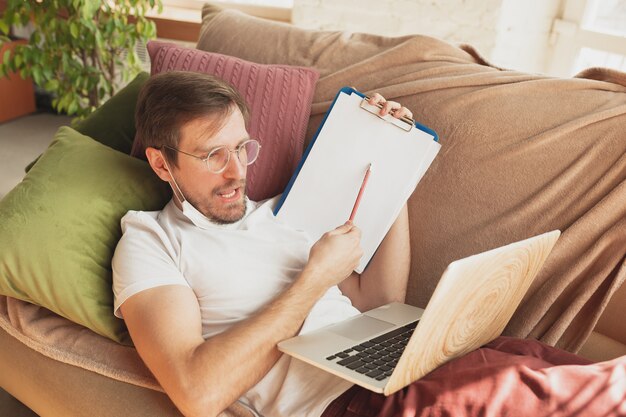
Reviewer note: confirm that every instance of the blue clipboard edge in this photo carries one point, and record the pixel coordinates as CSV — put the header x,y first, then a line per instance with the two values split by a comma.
x,y
349,91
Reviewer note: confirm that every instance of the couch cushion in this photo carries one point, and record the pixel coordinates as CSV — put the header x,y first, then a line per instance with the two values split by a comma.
x,y
278,96
61,224
270,42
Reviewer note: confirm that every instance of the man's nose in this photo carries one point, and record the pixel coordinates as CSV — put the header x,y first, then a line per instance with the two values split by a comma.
x,y
234,168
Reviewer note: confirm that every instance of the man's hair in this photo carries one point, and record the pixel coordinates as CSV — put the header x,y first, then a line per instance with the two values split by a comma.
x,y
169,100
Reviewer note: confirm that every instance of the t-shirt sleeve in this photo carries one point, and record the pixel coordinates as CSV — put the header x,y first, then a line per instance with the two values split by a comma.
x,y
144,258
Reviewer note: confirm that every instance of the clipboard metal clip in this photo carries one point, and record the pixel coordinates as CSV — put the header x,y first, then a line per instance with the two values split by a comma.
x,y
405,123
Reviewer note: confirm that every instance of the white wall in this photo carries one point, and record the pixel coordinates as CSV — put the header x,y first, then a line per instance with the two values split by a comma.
x,y
523,34
510,33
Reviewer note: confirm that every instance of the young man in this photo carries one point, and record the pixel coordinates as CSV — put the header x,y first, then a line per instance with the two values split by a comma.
x,y
210,284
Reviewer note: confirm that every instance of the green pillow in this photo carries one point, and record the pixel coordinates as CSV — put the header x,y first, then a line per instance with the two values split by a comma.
x,y
61,224
113,123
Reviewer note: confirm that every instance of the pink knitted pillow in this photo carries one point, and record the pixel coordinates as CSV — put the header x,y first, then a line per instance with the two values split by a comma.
x,y
279,98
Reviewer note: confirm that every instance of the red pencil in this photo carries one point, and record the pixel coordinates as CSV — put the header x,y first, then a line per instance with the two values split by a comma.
x,y
358,197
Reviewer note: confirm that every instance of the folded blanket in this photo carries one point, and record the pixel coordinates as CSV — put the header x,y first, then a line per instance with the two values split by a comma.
x,y
521,154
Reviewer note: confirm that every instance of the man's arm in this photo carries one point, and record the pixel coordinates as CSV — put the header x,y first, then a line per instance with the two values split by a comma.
x,y
204,377
386,276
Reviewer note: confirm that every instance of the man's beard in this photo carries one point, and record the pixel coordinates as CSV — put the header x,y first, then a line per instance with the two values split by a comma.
x,y
228,213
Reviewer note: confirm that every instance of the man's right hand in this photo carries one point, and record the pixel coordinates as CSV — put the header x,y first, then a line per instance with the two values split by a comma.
x,y
335,255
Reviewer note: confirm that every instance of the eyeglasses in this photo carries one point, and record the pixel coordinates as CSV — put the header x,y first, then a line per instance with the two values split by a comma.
x,y
217,160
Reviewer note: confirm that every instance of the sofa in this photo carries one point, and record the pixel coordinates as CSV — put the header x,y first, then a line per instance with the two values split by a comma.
x,y
521,154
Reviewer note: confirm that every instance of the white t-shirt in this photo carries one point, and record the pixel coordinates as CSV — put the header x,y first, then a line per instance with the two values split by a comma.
x,y
234,270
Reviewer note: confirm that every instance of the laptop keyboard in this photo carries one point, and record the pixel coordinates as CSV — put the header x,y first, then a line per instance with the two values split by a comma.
x,y
377,357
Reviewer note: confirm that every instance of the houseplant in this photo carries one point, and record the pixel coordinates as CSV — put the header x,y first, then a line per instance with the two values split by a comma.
x,y
80,50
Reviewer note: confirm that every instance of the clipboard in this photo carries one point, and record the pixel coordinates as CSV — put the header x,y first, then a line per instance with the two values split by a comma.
x,y
321,193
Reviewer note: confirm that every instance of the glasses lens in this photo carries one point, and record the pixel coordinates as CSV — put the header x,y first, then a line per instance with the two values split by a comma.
x,y
249,152
217,159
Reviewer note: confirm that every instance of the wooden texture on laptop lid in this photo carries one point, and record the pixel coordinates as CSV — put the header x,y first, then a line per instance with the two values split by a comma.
x,y
476,297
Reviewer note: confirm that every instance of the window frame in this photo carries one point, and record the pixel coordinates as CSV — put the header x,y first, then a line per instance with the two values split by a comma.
x,y
570,34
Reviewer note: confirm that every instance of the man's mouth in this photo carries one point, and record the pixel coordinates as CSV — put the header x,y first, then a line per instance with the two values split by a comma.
x,y
230,195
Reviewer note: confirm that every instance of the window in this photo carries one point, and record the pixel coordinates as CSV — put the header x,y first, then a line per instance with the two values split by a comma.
x,y
608,16
589,57
591,33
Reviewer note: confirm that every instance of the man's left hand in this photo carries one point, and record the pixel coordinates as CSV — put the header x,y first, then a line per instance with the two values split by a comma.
x,y
390,107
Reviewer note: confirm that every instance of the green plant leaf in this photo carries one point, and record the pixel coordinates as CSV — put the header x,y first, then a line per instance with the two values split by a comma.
x,y
152,33
37,75
35,38
6,56
90,7
74,30
99,40
26,54
4,27
52,85
47,72
73,107
23,19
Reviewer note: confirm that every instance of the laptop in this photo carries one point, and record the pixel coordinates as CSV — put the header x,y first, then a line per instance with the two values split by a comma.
x,y
387,348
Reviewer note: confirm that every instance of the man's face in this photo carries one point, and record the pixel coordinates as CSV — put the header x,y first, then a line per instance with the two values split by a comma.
x,y
220,197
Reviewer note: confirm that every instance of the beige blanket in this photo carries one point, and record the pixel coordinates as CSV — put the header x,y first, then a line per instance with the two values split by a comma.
x,y
521,154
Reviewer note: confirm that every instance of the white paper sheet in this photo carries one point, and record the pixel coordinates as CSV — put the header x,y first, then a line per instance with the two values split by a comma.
x,y
324,192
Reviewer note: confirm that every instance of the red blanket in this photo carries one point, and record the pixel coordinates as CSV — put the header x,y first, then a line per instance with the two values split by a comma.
x,y
508,377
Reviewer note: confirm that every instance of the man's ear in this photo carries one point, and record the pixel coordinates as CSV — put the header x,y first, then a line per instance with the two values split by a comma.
x,y
156,161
